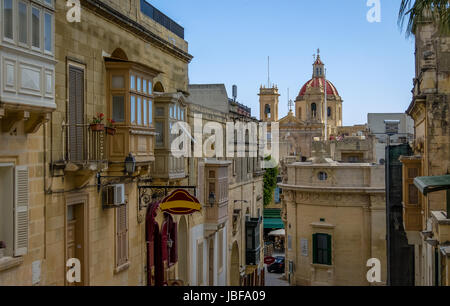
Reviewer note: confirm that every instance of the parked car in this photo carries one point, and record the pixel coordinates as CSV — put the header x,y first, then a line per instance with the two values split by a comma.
x,y
277,266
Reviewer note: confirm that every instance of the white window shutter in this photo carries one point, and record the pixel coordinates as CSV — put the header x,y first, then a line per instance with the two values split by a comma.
x,y
21,211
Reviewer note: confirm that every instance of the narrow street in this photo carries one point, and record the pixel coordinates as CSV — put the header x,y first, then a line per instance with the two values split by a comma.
x,y
274,279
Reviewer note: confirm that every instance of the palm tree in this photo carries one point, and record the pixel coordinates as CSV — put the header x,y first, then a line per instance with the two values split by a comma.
x,y
415,11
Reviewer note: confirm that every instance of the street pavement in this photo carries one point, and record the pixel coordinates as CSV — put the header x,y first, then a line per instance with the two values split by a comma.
x,y
274,279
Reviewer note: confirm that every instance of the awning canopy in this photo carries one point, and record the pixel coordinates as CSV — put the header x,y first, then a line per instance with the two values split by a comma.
x,y
273,223
280,232
272,213
429,184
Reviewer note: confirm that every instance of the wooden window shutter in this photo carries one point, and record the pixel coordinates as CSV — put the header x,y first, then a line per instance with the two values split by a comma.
x,y
21,211
329,250
314,243
121,235
76,114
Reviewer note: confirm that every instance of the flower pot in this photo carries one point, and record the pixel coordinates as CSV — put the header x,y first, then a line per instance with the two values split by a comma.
x,y
110,131
97,127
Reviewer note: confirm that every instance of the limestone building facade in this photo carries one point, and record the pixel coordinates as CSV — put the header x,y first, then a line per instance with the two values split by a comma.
x,y
83,200
426,218
238,223
27,100
335,221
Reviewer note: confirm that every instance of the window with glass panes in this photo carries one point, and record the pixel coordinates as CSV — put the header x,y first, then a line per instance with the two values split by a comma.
x,y
322,249
29,24
141,101
176,114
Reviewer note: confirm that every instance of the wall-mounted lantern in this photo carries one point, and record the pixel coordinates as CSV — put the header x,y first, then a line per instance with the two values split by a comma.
x,y
130,164
212,198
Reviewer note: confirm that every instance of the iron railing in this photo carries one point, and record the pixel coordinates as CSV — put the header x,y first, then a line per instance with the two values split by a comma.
x,y
83,145
155,14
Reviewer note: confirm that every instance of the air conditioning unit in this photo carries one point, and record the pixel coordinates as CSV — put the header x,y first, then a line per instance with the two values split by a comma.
x,y
113,195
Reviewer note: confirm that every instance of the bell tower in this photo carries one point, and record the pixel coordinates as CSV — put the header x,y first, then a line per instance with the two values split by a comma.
x,y
268,103
318,67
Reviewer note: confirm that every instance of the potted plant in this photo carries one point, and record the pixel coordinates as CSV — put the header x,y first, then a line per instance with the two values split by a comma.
x,y
110,129
97,125
2,248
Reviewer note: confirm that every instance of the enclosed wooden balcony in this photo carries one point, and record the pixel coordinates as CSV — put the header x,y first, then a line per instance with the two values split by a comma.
x,y
130,107
253,241
412,199
217,213
213,183
170,108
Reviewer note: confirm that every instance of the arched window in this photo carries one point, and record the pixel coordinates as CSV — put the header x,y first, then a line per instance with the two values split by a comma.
x,y
329,112
313,110
267,111
120,54
323,176
158,87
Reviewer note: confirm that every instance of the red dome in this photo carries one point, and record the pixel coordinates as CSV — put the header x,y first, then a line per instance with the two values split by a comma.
x,y
316,83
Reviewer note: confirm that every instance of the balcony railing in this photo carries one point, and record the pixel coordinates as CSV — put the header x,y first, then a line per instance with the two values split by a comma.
x,y
155,14
83,145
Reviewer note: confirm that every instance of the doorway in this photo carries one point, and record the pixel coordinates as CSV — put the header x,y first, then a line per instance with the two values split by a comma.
x,y
183,251
234,271
211,262
75,239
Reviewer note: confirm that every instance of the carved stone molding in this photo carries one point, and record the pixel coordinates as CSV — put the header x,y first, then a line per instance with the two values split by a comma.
x,y
335,199
11,118
35,121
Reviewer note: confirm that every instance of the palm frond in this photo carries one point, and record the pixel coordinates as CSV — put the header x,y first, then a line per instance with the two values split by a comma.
x,y
416,11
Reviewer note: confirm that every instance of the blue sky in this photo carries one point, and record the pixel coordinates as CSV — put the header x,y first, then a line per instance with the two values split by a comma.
x,y
371,64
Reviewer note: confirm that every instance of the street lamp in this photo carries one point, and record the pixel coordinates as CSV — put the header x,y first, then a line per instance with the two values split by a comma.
x,y
130,164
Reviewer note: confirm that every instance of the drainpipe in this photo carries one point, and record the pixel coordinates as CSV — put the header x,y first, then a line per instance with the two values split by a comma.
x,y
388,211
45,186
448,203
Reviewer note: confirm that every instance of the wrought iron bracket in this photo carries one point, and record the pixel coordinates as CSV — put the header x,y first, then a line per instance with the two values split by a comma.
x,y
121,179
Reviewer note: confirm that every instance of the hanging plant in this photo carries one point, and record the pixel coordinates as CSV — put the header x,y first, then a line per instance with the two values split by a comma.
x,y
110,129
97,125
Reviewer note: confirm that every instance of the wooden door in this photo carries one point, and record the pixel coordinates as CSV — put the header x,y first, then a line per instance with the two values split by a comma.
x,y
211,262
75,238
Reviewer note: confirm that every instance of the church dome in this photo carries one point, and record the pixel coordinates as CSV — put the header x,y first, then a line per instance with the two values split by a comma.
x,y
318,79
318,83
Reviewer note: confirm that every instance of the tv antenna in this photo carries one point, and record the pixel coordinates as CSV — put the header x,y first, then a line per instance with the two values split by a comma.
x,y
290,103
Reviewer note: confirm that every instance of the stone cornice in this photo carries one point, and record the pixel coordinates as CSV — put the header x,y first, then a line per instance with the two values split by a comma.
x,y
333,189
414,104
